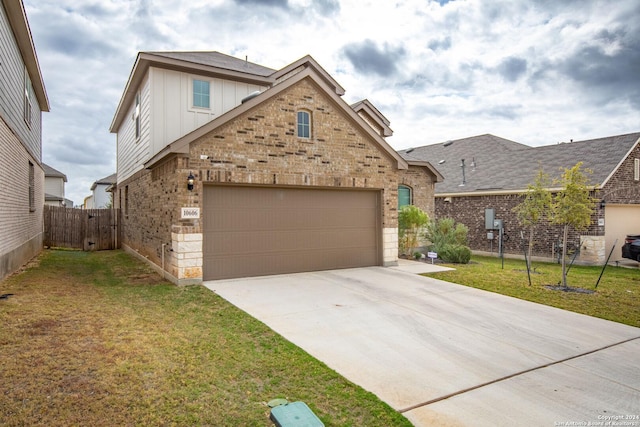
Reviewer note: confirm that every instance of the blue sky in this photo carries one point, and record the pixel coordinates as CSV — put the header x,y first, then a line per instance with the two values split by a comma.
x,y
534,71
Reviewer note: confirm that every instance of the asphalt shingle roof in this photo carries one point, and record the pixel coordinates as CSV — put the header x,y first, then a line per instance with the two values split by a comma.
x,y
219,60
49,171
497,164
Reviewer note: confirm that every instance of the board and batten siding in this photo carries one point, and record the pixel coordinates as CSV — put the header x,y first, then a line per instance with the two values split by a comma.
x,y
12,75
167,114
171,104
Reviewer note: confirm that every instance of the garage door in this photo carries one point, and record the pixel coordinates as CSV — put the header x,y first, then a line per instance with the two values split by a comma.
x,y
619,221
256,231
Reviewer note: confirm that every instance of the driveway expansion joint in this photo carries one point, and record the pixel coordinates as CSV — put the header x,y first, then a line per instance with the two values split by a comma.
x,y
526,371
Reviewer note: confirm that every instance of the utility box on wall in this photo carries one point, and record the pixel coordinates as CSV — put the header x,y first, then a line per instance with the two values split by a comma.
x,y
489,218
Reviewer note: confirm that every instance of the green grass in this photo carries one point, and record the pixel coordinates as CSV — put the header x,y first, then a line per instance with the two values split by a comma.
x,y
616,297
99,339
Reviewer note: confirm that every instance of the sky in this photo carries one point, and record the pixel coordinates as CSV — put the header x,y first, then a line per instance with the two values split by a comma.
x,y
533,71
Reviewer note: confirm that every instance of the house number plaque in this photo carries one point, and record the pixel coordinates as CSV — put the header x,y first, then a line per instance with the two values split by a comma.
x,y
190,213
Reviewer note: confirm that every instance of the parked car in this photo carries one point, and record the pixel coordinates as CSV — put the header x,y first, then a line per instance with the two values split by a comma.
x,y
631,247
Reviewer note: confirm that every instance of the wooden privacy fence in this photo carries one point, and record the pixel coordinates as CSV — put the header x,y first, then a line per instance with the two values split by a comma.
x,y
86,229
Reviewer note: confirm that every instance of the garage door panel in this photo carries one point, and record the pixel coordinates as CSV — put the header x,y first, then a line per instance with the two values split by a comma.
x,y
257,218
297,261
256,242
251,231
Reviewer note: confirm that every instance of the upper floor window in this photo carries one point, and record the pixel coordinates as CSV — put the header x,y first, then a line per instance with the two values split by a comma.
x,y
636,169
136,115
404,196
304,124
28,97
32,187
201,94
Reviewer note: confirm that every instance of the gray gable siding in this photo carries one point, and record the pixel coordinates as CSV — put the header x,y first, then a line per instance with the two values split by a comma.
x,y
12,74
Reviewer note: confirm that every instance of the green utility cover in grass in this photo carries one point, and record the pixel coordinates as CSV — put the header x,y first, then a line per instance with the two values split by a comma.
x,y
296,414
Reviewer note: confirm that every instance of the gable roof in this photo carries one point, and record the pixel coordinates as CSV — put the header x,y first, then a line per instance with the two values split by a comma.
x,y
497,165
369,110
20,26
309,71
214,64
51,172
107,180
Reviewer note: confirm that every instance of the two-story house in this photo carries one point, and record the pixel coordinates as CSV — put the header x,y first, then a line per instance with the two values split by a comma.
x,y
228,169
54,182
22,100
101,196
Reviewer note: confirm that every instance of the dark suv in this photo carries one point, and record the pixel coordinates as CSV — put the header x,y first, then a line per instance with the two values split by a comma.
x,y
631,247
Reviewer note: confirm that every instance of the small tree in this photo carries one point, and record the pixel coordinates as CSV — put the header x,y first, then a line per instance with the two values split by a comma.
x,y
411,221
572,206
533,208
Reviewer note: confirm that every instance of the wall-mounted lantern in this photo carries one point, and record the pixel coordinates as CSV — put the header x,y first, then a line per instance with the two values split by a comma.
x,y
190,180
603,203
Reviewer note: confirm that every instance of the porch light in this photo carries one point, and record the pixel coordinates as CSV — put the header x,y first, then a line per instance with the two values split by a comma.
x,y
190,180
603,203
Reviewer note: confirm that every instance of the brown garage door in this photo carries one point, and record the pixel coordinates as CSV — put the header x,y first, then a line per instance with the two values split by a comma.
x,y
255,231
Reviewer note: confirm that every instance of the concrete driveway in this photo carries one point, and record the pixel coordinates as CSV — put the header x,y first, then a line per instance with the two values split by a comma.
x,y
445,354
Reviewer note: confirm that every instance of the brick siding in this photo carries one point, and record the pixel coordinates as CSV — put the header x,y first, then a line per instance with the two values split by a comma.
x,y
260,147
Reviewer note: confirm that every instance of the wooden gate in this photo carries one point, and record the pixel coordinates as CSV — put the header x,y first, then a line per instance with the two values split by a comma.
x,y
86,229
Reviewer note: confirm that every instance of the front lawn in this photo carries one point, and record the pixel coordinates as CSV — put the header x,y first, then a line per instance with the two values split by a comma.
x,y
617,297
98,339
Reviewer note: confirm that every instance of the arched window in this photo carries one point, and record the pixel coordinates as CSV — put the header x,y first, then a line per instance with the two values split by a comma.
x,y
405,196
304,124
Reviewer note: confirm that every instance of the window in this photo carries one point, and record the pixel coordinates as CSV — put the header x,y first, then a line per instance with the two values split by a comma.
x,y
304,124
136,115
404,196
201,93
126,200
32,188
28,91
636,170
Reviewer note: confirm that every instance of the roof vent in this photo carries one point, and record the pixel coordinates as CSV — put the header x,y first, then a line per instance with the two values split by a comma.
x,y
250,96
441,161
409,150
448,143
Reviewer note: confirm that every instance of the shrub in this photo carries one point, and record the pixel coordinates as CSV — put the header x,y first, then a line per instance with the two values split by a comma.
x,y
449,240
458,254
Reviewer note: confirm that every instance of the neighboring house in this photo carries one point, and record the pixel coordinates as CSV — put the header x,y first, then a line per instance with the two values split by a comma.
x,y
102,196
23,98
54,182
488,172
227,169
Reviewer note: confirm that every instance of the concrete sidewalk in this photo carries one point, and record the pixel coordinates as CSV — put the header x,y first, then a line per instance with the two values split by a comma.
x,y
445,354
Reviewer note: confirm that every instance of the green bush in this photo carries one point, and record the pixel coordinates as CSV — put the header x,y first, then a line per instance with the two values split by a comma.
x,y
458,254
449,240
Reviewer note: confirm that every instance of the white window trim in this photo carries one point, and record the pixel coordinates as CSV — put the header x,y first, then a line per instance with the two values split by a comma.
x,y
310,124
137,120
636,169
190,90
28,104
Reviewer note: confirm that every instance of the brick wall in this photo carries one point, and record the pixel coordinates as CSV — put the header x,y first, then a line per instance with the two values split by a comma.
x,y
260,147
621,187
470,210
422,184
20,228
